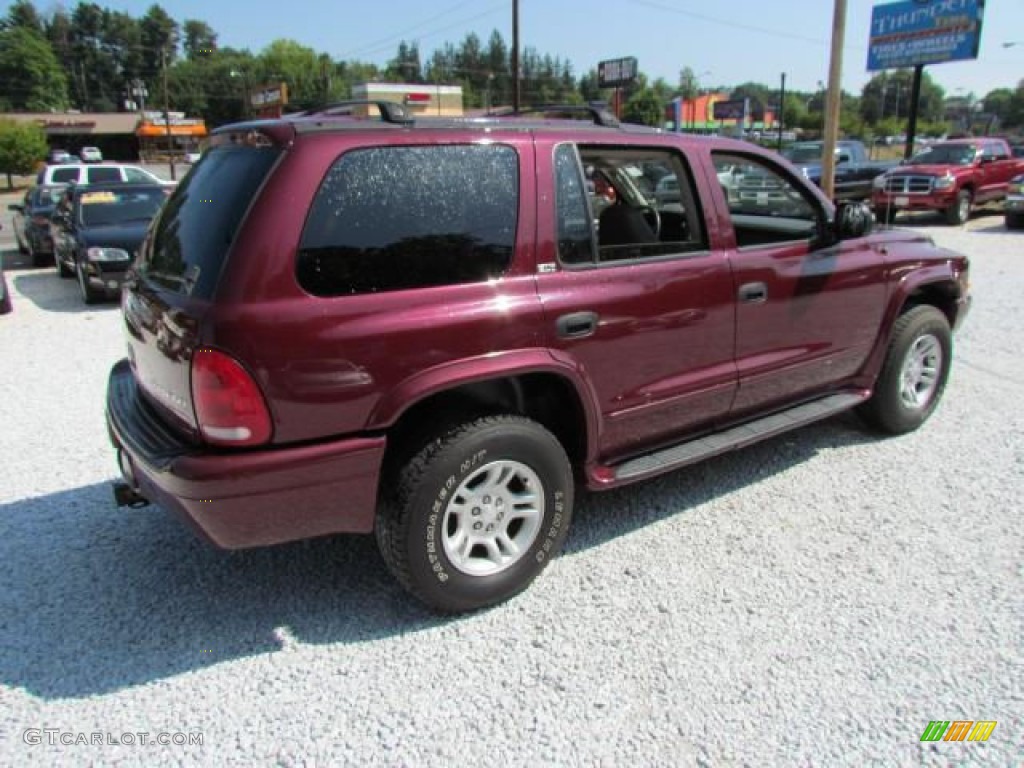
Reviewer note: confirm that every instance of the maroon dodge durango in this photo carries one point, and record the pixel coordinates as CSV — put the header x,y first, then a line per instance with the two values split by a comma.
x,y
357,320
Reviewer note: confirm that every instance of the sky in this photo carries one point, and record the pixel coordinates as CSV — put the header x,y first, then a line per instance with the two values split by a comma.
x,y
724,43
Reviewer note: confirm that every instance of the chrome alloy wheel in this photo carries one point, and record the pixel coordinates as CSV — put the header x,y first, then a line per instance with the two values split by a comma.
x,y
493,518
964,207
919,377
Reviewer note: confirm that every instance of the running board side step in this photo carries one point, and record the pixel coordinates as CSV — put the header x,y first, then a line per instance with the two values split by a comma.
x,y
736,437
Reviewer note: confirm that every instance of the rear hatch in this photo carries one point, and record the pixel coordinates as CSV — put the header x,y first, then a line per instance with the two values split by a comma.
x,y
179,266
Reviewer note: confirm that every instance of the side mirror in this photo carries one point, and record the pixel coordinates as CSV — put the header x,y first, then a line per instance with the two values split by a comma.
x,y
18,207
853,219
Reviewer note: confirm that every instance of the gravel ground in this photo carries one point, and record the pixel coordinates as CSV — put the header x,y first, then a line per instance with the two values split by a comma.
x,y
814,600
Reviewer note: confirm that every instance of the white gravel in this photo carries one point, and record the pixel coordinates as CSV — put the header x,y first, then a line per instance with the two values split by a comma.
x,y
814,600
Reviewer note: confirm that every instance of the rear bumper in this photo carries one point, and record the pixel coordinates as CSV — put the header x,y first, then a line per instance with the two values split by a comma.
x,y
244,498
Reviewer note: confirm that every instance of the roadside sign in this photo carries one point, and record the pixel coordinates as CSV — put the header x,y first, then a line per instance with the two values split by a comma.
x,y
911,34
615,72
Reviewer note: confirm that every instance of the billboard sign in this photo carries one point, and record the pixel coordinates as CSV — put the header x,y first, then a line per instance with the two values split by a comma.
x,y
615,72
908,34
730,110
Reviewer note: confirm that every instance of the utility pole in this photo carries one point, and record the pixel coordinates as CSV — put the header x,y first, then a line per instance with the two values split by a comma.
x,y
833,100
167,112
515,56
782,109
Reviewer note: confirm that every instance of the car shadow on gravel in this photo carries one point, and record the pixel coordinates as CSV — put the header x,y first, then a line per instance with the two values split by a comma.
x,y
997,227
13,259
601,517
98,599
51,293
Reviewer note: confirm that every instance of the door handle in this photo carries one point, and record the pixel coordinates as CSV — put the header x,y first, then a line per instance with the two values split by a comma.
x,y
576,325
754,293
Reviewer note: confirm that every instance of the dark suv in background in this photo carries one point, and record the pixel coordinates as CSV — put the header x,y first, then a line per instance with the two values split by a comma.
x,y
432,329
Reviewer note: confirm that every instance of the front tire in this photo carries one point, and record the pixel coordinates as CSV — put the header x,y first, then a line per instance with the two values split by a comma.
x,y
475,516
89,294
960,209
914,373
1015,221
62,268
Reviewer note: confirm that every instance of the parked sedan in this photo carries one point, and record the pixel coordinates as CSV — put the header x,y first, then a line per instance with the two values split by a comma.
x,y
5,296
32,222
1013,205
96,231
90,155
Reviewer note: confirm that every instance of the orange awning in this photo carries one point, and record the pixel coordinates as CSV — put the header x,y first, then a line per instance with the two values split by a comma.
x,y
155,130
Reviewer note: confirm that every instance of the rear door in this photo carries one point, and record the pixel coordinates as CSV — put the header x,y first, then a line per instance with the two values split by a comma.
x,y
651,323
806,316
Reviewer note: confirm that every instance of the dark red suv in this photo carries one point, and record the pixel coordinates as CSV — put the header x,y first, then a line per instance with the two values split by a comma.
x,y
432,329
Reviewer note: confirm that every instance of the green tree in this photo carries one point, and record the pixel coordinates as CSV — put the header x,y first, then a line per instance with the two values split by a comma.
x,y
32,77
1015,110
406,66
887,94
22,147
646,108
23,14
200,39
296,65
160,37
999,103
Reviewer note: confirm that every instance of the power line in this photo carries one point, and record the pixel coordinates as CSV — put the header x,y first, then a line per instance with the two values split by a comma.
x,y
401,35
434,32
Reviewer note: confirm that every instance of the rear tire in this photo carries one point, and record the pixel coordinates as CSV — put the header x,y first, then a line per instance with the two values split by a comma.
x,y
914,373
960,209
477,513
1015,221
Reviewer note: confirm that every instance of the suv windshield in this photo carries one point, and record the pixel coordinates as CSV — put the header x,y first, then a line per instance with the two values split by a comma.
x,y
945,154
192,237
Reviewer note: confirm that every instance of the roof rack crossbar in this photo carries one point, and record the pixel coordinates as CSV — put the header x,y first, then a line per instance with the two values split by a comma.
x,y
390,111
599,115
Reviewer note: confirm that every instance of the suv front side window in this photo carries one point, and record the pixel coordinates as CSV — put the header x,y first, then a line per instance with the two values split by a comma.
x,y
394,218
766,205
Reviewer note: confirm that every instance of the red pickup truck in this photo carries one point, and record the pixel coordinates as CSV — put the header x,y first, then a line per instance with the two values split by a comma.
x,y
951,177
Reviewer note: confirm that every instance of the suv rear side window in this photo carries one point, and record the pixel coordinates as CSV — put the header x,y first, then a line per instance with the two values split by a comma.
x,y
64,175
392,218
197,225
101,174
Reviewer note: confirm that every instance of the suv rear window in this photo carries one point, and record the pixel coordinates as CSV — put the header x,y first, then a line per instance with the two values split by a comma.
x,y
392,218
192,235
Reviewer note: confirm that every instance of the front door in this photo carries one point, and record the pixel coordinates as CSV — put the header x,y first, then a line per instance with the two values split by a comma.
x,y
806,316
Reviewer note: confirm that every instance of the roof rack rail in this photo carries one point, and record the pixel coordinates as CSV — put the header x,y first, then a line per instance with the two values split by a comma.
x,y
599,115
390,111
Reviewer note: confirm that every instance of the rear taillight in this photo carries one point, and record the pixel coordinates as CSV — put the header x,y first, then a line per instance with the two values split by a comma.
x,y
230,409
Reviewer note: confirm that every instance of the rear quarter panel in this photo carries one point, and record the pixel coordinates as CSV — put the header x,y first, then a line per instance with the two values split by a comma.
x,y
332,366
